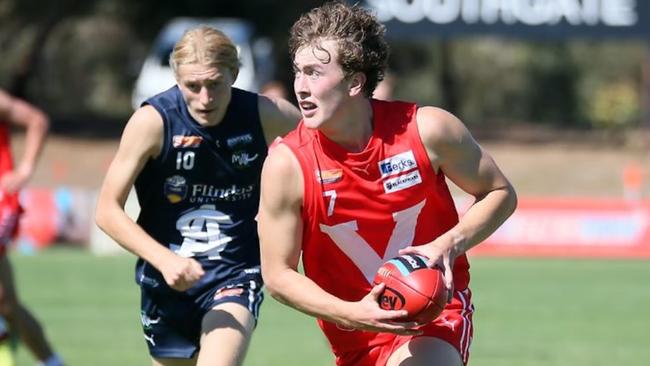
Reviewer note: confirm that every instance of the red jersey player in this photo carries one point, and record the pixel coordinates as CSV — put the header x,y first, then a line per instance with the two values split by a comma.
x,y
361,181
18,112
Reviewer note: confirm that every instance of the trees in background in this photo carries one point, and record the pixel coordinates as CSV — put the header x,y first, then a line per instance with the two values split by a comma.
x,y
579,84
79,59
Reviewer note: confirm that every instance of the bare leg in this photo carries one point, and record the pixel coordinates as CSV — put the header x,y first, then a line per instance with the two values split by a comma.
x,y
423,351
227,331
18,317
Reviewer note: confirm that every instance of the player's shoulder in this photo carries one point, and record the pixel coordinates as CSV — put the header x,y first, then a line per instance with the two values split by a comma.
x,y
145,129
6,101
146,117
281,160
437,125
300,138
282,178
270,103
277,112
435,118
267,107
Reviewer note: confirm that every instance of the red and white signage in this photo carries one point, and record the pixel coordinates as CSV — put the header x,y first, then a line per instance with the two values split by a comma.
x,y
573,228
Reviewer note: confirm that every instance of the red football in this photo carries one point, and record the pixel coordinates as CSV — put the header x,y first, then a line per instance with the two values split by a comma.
x,y
412,286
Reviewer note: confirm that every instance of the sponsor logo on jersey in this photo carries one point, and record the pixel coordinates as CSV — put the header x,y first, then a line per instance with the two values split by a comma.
x,y
240,140
402,182
186,141
362,169
241,159
397,164
175,188
208,193
228,292
329,176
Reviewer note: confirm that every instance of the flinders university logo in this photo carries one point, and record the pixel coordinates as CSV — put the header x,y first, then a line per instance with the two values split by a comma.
x,y
175,188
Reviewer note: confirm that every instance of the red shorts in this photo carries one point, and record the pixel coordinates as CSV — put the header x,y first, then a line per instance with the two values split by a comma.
x,y
10,211
454,326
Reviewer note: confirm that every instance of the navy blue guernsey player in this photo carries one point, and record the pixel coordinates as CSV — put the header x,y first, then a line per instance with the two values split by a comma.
x,y
194,154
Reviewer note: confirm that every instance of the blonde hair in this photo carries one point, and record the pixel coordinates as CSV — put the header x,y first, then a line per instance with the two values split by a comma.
x,y
206,46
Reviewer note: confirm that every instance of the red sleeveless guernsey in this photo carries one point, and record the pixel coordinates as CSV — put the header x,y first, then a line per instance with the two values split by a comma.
x,y
360,208
6,161
9,205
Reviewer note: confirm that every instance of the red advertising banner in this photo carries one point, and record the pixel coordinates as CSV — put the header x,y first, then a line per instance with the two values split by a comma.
x,y
554,227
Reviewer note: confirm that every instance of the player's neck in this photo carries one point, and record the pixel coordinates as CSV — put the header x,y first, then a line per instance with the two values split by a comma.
x,y
353,128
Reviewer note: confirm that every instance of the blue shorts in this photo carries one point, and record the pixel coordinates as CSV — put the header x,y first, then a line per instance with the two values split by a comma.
x,y
171,321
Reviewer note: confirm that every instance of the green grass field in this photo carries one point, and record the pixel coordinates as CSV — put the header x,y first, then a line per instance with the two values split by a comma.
x,y
529,312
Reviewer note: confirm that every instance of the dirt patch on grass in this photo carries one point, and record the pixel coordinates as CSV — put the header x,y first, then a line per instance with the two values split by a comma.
x,y
565,170
536,168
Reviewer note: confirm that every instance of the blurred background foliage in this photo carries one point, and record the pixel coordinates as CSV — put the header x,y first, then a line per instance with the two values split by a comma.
x,y
79,59
497,81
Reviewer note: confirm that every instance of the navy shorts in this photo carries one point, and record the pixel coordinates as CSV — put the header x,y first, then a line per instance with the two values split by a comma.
x,y
171,321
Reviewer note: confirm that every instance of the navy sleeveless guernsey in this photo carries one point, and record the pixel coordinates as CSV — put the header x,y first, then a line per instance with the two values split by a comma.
x,y
200,196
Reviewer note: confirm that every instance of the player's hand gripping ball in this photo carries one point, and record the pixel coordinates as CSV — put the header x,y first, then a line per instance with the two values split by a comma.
x,y
412,286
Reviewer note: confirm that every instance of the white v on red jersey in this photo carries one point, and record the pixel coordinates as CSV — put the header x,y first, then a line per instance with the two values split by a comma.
x,y
360,208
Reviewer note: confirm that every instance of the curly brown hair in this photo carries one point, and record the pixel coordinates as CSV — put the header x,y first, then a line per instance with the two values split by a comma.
x,y
359,35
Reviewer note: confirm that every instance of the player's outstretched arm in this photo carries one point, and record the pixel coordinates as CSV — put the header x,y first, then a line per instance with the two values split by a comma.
x,y
280,229
278,116
36,123
141,141
451,148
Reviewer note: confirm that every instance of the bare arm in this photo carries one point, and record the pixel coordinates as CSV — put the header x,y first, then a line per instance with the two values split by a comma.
x,y
36,123
278,116
141,140
451,148
280,229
